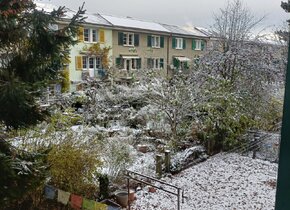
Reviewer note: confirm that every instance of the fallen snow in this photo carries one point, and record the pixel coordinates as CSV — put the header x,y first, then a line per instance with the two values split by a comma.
x,y
223,182
134,23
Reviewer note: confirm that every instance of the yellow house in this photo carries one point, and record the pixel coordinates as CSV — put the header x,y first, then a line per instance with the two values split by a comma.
x,y
126,45
91,57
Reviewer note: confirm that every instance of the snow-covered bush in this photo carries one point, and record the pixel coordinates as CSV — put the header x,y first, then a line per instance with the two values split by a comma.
x,y
116,156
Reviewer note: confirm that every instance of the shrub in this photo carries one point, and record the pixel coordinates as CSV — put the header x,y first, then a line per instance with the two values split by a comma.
x,y
73,167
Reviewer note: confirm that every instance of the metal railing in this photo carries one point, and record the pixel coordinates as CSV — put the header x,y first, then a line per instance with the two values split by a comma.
x,y
177,191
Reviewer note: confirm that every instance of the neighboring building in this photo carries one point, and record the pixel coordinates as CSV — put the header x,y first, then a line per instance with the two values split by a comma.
x,y
95,31
134,44
138,44
185,47
141,44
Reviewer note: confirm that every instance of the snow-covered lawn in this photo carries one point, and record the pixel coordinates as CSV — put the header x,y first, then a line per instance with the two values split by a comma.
x,y
223,182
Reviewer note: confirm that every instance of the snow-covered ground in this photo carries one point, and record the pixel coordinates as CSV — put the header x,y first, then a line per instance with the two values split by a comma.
x,y
223,182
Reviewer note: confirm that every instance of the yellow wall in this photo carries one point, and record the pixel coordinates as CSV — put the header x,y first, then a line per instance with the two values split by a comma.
x,y
76,75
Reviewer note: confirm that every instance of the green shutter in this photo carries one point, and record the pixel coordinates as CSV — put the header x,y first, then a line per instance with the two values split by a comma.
x,y
136,40
202,44
149,43
162,41
186,65
184,43
161,64
139,63
176,63
120,38
173,42
118,62
193,44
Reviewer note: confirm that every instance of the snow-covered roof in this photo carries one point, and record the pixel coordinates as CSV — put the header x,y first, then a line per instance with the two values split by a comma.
x,y
126,22
92,18
129,22
205,31
45,7
175,29
197,31
189,31
96,19
270,38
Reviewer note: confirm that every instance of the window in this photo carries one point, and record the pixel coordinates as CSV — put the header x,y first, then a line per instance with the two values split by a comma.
x,y
131,64
155,63
94,35
85,62
198,45
90,35
98,63
134,63
128,39
86,34
92,62
179,43
128,63
155,41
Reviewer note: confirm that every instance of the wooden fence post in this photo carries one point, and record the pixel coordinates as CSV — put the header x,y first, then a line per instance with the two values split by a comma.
x,y
159,165
167,161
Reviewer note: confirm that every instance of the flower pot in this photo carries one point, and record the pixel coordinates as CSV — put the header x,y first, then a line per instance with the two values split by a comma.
x,y
131,195
152,189
122,198
142,148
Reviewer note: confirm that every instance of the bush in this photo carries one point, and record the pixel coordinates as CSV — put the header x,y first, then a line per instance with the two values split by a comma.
x,y
73,168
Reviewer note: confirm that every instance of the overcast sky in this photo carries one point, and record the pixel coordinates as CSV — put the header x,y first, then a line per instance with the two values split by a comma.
x,y
181,12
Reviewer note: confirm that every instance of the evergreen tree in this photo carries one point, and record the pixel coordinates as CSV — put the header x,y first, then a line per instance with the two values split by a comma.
x,y
31,55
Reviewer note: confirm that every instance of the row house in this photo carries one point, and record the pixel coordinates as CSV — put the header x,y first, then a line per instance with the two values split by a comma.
x,y
127,45
138,45
91,56
186,45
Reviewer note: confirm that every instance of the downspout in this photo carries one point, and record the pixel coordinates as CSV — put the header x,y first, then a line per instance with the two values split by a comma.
x,y
168,64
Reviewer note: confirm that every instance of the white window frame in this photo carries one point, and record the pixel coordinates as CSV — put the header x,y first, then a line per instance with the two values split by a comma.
x,y
91,62
198,45
179,43
88,65
86,35
85,62
92,35
155,41
98,63
156,63
126,39
132,63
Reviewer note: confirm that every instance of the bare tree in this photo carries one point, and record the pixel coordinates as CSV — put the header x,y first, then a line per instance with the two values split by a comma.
x,y
241,70
234,24
176,98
